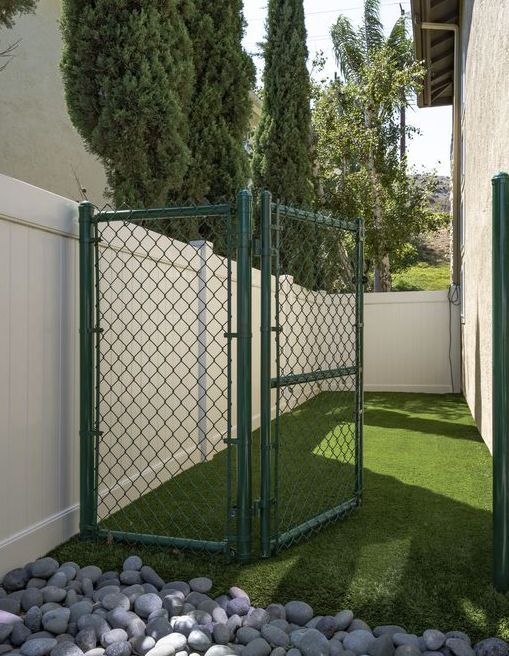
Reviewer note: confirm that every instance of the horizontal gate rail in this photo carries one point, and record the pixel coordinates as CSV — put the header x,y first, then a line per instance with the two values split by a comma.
x,y
164,213
312,376
163,541
289,537
315,217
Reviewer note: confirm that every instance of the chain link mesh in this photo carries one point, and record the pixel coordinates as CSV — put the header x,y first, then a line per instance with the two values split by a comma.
x,y
315,436
163,364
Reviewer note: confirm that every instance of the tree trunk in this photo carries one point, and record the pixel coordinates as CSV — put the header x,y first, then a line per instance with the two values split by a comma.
x,y
377,206
402,136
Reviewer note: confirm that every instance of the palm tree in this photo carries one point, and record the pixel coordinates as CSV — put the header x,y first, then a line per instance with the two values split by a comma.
x,y
355,50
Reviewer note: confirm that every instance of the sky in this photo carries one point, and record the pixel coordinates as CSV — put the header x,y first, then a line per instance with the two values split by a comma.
x,y
430,150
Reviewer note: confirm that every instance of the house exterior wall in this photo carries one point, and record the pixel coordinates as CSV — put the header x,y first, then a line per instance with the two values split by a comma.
x,y
38,142
485,151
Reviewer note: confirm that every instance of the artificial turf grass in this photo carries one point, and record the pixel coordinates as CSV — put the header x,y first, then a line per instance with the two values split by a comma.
x,y
315,462
417,552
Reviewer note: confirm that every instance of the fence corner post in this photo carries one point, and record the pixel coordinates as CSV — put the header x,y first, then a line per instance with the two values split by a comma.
x,y
88,511
244,334
265,374
500,381
359,358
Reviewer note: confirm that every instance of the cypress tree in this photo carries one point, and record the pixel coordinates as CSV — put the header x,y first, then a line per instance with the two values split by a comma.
x,y
220,109
282,160
128,75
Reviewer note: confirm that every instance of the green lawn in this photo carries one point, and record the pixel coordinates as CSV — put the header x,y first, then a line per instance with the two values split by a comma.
x,y
422,277
417,552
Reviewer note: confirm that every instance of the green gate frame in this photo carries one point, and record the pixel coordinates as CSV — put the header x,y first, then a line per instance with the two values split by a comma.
x,y
242,510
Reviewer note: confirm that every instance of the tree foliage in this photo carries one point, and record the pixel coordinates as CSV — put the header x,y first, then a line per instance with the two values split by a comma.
x,y
10,8
282,161
128,73
358,132
220,108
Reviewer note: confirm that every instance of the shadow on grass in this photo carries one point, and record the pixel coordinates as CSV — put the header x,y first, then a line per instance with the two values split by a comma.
x,y
408,555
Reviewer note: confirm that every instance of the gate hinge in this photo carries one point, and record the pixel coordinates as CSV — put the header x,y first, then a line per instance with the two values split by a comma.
x,y
230,441
257,247
230,335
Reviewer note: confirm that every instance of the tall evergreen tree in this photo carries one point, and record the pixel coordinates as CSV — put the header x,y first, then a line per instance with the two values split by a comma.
x,y
282,161
128,73
220,109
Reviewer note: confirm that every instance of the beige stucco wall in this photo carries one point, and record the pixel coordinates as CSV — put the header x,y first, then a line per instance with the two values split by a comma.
x,y
38,143
485,46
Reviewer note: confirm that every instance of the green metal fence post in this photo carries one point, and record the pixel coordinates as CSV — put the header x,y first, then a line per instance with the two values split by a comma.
x,y
244,504
88,514
359,357
500,394
265,375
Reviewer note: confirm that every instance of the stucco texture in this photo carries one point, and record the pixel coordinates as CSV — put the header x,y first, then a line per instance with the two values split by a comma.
x,y
38,143
485,48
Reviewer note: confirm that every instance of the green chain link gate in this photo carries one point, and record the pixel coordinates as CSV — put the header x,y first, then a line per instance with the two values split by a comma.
x,y
167,454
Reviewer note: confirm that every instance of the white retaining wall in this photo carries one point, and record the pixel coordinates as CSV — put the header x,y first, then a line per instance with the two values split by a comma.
x,y
406,349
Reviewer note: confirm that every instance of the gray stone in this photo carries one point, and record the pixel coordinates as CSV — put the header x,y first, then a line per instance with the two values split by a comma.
x,y
458,634
274,635
459,647
340,635
118,618
20,633
136,627
31,597
40,634
256,618
158,628
49,605
278,651
238,606
382,646
147,603
158,614
327,626
208,605
115,635
115,600
298,612
201,584
293,652
69,569
359,625
234,622
65,648
236,592
175,640
173,604
200,616
118,649
405,639
38,647
132,563
220,650
57,620
96,651
313,621
222,633
182,586
247,634
391,629
257,647
10,605
80,608
314,643
72,597
96,622
91,572
44,568
53,594
36,583
151,576
183,624
433,639
105,591
281,624
492,647
87,587
276,611
5,631
130,577
65,637
199,640
358,641
407,650
16,579
33,619
142,644
5,649
432,653
132,592
336,648
59,580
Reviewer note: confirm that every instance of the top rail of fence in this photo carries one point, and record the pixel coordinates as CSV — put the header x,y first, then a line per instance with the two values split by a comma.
x,y
190,211
315,217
